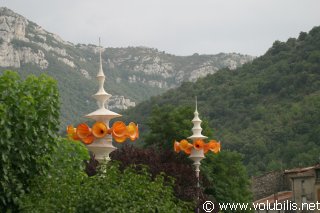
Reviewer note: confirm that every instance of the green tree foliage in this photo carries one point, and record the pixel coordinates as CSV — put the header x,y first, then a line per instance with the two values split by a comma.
x,y
65,171
29,116
169,123
67,188
229,182
267,110
41,172
132,192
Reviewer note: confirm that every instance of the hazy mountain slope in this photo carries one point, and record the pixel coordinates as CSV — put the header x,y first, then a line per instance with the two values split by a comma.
x,y
133,74
268,110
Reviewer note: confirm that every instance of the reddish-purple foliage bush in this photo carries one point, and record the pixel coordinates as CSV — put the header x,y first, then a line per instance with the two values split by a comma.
x,y
91,165
172,164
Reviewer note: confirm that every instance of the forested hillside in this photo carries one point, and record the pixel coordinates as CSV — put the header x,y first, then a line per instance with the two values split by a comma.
x,y
268,110
133,74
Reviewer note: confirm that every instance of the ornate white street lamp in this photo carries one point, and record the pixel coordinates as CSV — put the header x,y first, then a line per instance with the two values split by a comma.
x,y
198,148
98,139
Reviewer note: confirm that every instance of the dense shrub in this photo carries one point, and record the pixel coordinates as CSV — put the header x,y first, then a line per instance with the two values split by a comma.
x,y
223,177
165,161
62,182
68,189
129,191
29,113
229,182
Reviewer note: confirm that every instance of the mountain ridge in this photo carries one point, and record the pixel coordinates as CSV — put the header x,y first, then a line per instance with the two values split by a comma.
x,y
133,74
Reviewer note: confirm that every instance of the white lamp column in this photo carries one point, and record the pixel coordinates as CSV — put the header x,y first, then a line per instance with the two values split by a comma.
x,y
197,155
102,147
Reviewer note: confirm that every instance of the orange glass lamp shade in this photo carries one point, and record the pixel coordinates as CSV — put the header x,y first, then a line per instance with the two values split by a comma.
x,y
214,146
99,129
88,140
71,132
133,131
184,145
83,130
206,148
176,147
188,150
119,131
198,144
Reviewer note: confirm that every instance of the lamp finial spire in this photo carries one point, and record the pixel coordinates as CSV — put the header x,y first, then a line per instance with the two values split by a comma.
x,y
196,130
196,104
100,73
102,96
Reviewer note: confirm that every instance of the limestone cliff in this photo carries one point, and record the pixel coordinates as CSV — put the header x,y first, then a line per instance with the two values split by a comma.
x,y
133,74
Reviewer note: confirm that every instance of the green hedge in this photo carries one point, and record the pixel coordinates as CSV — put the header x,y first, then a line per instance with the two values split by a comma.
x,y
68,189
29,113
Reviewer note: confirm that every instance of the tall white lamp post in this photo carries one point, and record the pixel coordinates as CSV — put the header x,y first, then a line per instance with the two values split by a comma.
x,y
198,148
197,154
98,139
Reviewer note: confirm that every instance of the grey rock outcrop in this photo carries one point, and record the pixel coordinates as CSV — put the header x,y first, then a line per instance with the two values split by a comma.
x,y
27,55
67,62
8,56
157,69
120,102
13,27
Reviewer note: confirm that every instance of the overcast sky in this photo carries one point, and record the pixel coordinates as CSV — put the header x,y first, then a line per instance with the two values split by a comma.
x,y
180,27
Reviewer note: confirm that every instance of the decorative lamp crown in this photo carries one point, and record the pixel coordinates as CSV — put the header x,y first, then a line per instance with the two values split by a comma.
x,y
196,130
98,139
102,114
198,148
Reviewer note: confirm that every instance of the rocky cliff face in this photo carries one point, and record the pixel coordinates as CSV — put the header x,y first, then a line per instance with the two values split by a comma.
x,y
158,69
133,74
13,27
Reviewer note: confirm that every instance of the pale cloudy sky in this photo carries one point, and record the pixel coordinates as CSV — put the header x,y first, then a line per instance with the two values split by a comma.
x,y
180,27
